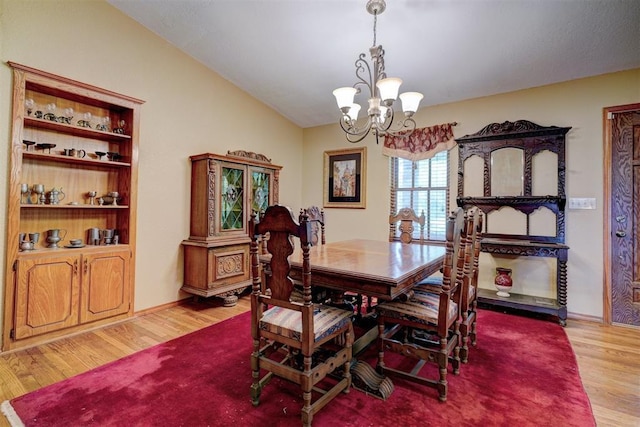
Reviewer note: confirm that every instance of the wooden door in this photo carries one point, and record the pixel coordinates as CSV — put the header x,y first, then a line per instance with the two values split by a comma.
x,y
46,295
105,285
622,291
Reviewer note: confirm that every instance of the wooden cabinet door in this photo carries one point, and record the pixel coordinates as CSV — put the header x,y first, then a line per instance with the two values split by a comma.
x,y
106,285
47,293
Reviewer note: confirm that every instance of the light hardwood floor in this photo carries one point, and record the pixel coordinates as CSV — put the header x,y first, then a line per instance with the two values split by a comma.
x,y
608,357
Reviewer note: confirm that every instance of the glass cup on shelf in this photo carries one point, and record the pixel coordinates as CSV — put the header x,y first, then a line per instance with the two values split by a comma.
x,y
51,112
67,117
121,127
29,105
86,120
105,124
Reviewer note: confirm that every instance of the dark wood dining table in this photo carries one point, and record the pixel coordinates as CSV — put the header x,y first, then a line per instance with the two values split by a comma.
x,y
374,268
380,269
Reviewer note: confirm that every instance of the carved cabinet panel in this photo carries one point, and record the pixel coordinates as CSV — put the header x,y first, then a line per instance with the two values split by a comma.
x,y
105,285
47,293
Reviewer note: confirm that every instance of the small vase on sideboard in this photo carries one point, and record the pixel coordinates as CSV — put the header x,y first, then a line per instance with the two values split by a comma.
x,y
503,281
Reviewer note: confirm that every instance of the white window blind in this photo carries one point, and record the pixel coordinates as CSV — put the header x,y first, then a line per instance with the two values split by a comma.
x,y
423,185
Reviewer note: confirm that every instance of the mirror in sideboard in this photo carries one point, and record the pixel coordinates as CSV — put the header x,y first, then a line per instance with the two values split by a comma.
x,y
472,177
544,174
507,169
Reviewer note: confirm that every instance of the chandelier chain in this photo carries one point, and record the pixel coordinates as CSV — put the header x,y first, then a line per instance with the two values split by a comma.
x,y
375,25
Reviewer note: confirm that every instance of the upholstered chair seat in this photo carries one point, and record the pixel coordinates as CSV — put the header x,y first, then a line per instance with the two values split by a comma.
x,y
421,308
288,323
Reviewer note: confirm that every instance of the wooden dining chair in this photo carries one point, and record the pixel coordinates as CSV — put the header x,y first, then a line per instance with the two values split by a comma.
x,y
469,300
426,326
301,342
469,294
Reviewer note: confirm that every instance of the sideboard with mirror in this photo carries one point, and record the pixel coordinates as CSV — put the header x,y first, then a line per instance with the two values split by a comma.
x,y
225,190
515,172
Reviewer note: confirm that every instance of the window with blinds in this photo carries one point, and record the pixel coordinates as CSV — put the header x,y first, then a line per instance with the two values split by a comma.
x,y
423,185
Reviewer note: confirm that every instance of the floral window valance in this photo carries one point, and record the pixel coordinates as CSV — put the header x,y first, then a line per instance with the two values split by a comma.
x,y
423,143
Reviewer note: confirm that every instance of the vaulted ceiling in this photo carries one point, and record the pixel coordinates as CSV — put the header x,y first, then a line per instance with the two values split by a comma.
x,y
291,54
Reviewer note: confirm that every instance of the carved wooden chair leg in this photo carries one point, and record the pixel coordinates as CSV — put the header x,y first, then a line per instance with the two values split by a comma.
x,y
256,388
349,337
464,332
307,409
455,362
473,332
442,383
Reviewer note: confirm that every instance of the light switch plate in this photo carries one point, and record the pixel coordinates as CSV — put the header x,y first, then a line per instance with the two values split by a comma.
x,y
582,203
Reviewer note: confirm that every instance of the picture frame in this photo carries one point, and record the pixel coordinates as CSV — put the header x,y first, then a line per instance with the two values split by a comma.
x,y
345,178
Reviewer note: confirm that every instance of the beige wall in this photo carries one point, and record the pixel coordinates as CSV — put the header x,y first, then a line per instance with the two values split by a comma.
x,y
578,104
188,110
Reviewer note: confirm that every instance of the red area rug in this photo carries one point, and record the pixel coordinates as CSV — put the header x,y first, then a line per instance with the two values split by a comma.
x,y
522,373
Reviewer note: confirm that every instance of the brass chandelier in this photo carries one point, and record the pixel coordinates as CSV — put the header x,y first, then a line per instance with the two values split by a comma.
x,y
383,92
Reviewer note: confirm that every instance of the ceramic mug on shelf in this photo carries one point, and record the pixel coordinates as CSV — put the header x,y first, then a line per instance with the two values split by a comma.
x,y
72,152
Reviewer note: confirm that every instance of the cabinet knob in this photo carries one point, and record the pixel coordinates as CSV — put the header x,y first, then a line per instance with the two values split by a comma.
x,y
621,233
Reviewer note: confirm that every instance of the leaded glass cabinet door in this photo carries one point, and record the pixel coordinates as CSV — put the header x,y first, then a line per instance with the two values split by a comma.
x,y
262,193
232,198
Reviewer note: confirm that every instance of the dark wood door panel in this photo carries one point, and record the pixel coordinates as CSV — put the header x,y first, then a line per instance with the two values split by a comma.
x,y
625,218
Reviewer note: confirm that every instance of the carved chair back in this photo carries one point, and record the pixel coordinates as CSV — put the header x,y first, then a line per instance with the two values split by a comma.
x,y
403,222
316,219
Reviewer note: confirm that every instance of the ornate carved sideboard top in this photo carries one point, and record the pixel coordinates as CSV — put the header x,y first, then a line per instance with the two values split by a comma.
x,y
507,129
249,155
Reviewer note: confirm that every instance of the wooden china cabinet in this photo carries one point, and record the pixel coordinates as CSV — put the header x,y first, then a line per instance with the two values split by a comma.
x,y
225,190
512,177
69,139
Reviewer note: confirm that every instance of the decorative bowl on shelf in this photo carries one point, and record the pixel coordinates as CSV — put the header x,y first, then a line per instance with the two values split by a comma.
x,y
45,146
100,154
28,143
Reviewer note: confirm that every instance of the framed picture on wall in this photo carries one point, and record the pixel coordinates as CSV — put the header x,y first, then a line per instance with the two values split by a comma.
x,y
345,178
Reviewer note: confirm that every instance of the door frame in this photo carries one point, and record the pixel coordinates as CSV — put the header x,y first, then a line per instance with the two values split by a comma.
x,y
606,126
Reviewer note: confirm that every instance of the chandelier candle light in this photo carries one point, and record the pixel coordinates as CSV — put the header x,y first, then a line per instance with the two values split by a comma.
x,y
383,92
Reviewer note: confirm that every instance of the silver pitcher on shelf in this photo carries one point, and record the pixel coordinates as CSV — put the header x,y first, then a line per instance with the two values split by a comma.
x,y
55,236
56,196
